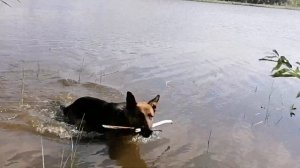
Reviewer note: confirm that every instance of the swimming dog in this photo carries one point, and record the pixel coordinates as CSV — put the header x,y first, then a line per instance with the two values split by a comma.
x,y
93,113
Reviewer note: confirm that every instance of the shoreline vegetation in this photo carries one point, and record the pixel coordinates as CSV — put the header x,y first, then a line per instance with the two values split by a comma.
x,y
278,4
291,5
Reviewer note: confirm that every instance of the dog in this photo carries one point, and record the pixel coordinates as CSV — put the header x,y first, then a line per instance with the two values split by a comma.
x,y
92,113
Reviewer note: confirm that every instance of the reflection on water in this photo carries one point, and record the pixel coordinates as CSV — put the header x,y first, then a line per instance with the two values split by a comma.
x,y
205,160
126,153
201,58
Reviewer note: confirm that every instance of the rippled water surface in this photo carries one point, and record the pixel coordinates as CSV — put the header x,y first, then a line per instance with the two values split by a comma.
x,y
201,58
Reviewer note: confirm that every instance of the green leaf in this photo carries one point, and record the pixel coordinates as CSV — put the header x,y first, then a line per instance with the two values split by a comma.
x,y
281,73
298,95
286,61
273,56
295,73
276,52
293,107
292,114
279,63
265,59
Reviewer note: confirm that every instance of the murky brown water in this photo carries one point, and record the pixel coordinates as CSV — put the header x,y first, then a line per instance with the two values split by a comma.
x,y
201,58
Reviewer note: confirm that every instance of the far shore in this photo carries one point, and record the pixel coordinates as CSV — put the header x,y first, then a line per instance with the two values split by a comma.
x,y
249,4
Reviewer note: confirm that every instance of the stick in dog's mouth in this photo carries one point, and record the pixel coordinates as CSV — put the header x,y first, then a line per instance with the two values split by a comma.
x,y
138,129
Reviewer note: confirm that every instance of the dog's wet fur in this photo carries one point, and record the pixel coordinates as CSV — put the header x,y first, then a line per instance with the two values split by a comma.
x,y
92,113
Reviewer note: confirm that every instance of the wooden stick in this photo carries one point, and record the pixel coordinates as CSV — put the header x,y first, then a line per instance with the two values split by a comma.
x,y
162,123
116,127
138,129
121,127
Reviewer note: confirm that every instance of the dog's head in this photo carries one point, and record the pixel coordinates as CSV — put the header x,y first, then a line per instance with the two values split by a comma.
x,y
140,114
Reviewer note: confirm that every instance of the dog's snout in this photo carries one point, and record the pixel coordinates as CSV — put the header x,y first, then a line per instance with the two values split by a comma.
x,y
150,117
146,132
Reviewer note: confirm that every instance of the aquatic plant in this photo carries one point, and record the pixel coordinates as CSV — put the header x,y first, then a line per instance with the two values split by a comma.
x,y
71,159
283,68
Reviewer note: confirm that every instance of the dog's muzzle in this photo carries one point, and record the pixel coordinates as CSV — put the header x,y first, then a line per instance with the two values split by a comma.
x,y
146,132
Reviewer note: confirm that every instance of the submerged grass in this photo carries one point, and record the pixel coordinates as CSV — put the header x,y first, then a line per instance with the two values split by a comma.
x,y
268,105
70,160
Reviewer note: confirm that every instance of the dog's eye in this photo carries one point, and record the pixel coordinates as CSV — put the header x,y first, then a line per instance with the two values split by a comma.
x,y
154,106
150,116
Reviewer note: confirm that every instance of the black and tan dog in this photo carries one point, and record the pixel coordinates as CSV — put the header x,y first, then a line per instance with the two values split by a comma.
x,y
96,112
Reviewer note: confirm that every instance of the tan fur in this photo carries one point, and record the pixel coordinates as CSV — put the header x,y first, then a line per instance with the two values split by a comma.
x,y
147,110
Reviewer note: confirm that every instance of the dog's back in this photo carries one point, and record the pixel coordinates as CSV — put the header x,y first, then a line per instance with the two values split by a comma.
x,y
92,113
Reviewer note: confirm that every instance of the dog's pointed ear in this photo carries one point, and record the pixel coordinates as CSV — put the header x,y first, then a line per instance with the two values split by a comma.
x,y
130,101
154,102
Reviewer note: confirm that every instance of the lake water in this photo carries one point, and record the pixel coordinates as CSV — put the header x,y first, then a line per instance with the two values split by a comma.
x,y
202,58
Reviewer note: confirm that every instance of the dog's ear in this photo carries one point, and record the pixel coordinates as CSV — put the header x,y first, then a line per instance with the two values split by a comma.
x,y
130,101
154,102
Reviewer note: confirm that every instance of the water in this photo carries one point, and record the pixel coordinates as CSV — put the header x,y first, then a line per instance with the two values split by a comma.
x,y
201,58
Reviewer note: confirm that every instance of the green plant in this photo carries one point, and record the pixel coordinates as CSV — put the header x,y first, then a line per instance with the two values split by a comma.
x,y
283,68
295,3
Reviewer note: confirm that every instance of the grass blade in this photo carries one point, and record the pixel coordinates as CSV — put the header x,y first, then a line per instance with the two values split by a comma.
x,y
5,3
43,157
275,51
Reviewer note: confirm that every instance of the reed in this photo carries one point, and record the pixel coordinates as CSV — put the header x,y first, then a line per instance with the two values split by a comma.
x,y
81,70
103,74
159,157
76,142
278,121
208,141
38,70
268,106
22,89
5,3
72,155
62,158
43,157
